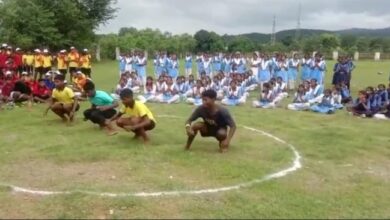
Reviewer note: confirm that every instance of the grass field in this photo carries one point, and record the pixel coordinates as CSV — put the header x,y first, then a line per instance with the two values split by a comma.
x,y
345,173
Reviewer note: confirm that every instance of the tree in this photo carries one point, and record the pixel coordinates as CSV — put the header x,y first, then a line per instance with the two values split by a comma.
x,y
363,44
348,41
208,41
53,23
242,44
329,42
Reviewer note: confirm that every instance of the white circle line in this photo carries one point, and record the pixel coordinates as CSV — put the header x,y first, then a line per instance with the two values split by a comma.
x,y
294,167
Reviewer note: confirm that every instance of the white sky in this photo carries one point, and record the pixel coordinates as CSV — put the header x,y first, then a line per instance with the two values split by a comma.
x,y
247,16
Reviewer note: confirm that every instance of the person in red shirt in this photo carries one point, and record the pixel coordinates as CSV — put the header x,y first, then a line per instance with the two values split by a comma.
x,y
3,58
7,87
18,60
41,92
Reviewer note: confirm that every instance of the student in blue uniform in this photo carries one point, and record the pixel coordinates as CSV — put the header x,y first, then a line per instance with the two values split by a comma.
x,y
383,97
372,98
317,69
122,64
361,106
169,94
345,93
227,62
188,64
239,63
173,67
161,64
216,63
233,96
305,70
195,97
282,68
199,64
264,74
293,68
326,105
141,67
266,99
206,63
181,87
300,101
341,71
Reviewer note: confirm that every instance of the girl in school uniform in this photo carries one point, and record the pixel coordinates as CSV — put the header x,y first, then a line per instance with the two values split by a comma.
x,y
239,63
217,87
267,97
300,101
134,83
383,96
361,106
340,71
227,62
195,97
135,59
129,62
345,93
160,84
181,87
216,63
199,64
206,63
326,106
122,65
264,73
255,62
372,98
161,64
293,68
305,70
282,68
173,67
317,69
190,83
170,94
188,64
337,98
141,68
315,93
233,97
121,86
149,91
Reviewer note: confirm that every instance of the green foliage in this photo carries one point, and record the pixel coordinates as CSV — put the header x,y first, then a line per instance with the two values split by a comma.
x,y
52,23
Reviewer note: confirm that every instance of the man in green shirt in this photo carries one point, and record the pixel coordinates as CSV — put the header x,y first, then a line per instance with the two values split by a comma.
x,y
102,110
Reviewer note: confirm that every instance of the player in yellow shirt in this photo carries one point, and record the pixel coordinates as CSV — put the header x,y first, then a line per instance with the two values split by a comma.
x,y
28,62
85,63
73,61
62,63
47,61
138,118
63,101
38,64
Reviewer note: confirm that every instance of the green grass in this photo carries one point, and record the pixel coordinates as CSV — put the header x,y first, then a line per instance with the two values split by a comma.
x,y
345,170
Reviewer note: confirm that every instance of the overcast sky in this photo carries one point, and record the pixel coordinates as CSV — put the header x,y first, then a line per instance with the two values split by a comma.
x,y
246,16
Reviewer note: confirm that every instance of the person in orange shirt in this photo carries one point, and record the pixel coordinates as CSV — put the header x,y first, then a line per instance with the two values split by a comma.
x,y
38,64
47,61
79,81
73,61
85,63
62,65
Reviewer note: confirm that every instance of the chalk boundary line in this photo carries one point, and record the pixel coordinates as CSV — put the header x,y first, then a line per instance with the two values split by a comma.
x,y
294,167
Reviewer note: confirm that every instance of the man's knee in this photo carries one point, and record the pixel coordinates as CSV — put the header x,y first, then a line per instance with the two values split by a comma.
x,y
221,134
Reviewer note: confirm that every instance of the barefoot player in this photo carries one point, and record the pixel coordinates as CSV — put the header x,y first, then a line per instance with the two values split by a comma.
x,y
138,118
217,122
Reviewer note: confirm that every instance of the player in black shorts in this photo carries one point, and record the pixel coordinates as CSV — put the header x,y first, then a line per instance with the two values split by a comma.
x,y
217,122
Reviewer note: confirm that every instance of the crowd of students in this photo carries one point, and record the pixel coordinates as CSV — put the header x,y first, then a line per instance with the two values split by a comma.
x,y
231,76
